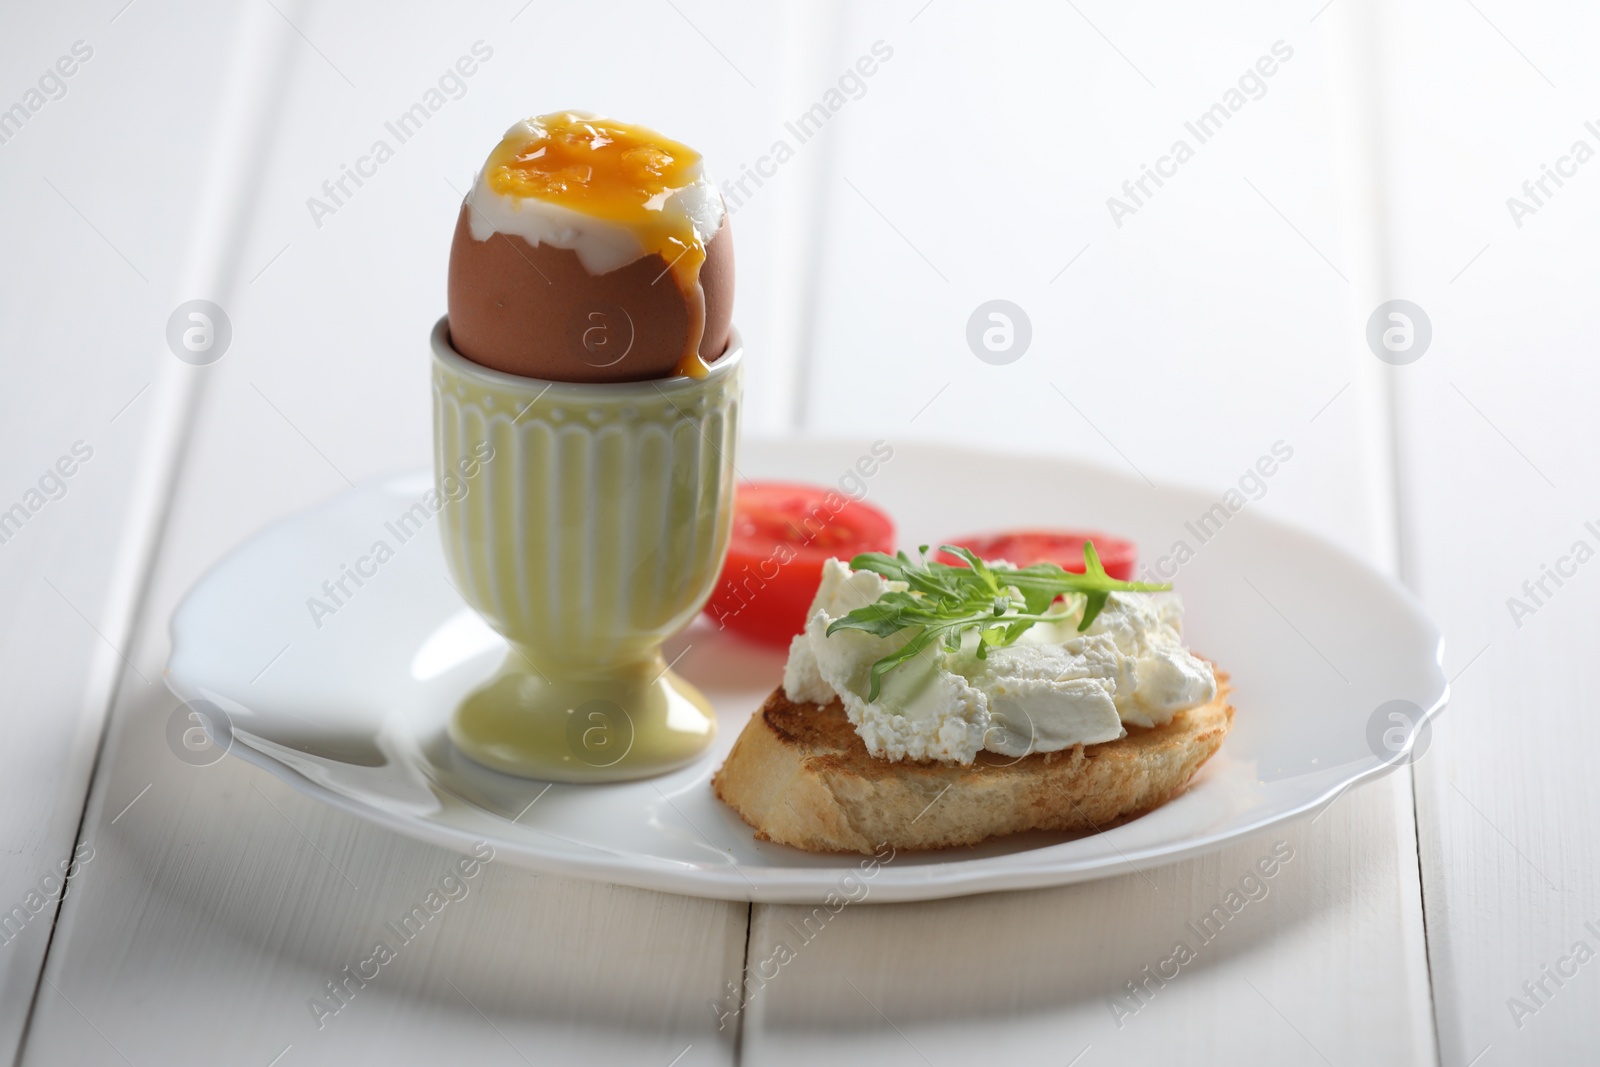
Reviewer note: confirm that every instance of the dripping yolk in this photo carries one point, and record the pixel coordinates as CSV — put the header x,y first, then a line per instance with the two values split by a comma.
x,y
621,173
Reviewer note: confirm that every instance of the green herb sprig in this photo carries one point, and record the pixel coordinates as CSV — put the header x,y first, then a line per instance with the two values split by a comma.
x,y
943,601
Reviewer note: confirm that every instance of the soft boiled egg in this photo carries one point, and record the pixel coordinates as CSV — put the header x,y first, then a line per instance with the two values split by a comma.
x,y
591,250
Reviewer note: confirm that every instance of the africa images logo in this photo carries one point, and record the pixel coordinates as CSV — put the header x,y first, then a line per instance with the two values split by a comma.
x,y
602,336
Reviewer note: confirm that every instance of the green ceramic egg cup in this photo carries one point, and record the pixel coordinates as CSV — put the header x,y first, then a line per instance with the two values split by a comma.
x,y
588,524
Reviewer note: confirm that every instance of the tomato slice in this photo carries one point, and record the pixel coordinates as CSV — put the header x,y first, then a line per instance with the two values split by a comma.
x,y
1027,547
783,532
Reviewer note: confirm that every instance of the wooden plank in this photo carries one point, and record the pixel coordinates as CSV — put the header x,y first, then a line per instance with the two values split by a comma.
x,y
90,193
1180,345
1497,431
1044,976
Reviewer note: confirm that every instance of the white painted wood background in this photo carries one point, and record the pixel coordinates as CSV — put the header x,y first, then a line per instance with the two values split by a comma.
x,y
1227,313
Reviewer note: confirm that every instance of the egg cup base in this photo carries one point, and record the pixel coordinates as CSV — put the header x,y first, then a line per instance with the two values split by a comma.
x,y
628,723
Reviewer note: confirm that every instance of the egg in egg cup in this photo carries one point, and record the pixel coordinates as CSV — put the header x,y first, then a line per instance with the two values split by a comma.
x,y
589,366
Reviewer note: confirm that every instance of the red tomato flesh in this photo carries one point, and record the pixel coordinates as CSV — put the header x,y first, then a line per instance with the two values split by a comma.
x,y
1027,547
782,534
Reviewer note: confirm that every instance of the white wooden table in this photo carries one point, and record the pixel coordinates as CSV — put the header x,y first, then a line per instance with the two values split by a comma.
x,y
1224,313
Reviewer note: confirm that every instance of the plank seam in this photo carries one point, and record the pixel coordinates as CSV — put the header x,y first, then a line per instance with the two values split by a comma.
x,y
744,992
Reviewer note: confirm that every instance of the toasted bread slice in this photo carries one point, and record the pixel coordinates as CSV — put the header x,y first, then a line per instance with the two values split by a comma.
x,y
800,774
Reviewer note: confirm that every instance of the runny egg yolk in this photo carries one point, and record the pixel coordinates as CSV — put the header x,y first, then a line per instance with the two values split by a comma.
x,y
621,173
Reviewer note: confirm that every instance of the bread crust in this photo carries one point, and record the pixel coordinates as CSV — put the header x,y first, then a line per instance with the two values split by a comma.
x,y
800,775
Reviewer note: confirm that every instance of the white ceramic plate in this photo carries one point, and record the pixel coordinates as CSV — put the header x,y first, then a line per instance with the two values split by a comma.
x,y
352,711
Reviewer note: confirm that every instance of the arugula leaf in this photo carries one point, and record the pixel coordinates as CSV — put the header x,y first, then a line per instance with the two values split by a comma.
x,y
910,651
943,601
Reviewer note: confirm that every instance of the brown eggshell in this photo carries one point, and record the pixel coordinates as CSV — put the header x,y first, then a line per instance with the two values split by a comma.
x,y
534,310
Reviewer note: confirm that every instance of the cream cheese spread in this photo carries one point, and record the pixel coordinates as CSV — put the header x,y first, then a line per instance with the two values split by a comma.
x,y
1052,689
